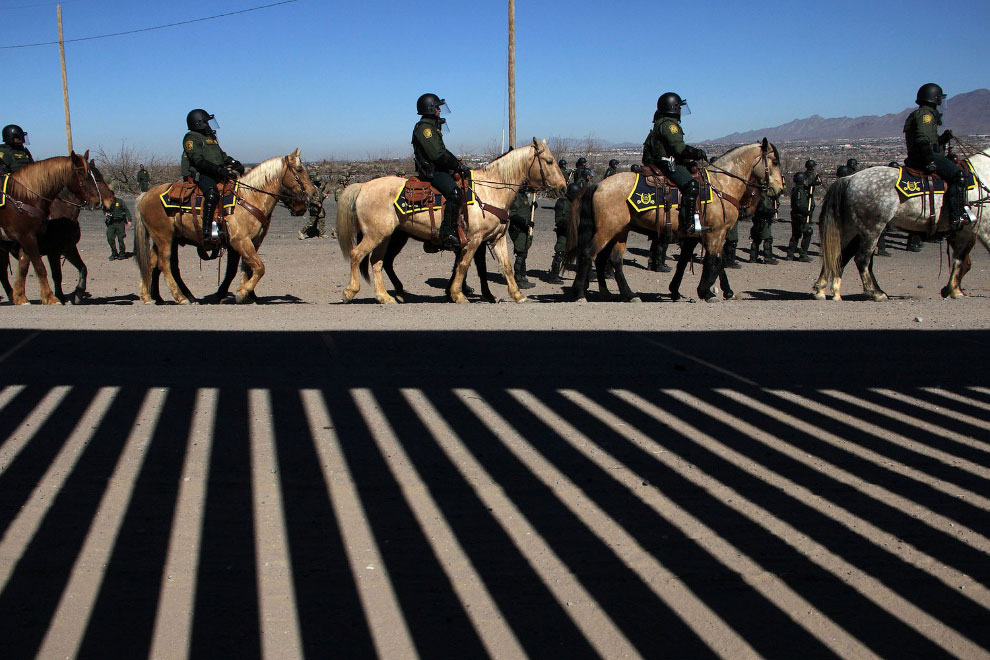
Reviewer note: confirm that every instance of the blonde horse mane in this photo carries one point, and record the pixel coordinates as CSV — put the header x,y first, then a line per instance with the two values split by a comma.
x,y
266,172
44,177
510,166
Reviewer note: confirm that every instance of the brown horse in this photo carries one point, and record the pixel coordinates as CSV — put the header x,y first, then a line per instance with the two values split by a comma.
x,y
58,239
601,221
27,200
366,218
282,178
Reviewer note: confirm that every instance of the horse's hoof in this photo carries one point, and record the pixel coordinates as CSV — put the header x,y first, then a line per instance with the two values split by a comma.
x,y
185,301
836,298
712,299
462,300
635,299
387,300
880,297
946,292
729,295
523,300
399,298
818,295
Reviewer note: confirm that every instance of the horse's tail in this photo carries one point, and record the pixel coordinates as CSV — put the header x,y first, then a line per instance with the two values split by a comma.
x,y
582,218
142,241
347,230
831,229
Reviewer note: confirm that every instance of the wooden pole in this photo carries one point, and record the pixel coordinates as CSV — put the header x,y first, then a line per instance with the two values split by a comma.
x,y
65,84
512,74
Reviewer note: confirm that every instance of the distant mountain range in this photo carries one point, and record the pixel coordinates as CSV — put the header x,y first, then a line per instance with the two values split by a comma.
x,y
965,114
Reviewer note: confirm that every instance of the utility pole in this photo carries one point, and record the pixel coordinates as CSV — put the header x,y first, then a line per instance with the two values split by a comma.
x,y
512,74
65,84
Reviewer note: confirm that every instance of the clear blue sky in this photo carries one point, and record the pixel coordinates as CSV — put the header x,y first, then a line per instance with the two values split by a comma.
x,y
341,79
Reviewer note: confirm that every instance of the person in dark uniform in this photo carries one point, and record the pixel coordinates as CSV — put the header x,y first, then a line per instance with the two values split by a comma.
x,y
801,229
521,233
205,162
665,149
582,173
143,179
613,167
843,171
115,219
13,154
926,152
561,218
762,231
563,169
434,163
853,164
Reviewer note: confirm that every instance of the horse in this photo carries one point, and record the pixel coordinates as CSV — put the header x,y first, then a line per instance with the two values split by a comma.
x,y
58,239
366,218
27,200
602,218
157,234
856,210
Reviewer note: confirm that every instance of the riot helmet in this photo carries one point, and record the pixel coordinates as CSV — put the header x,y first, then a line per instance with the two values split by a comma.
x,y
572,191
562,163
930,94
799,178
201,121
12,132
613,163
636,167
672,105
893,163
852,163
843,170
430,104
810,164
582,161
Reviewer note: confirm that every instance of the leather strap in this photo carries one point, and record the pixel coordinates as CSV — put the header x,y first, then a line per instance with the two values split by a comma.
x,y
255,211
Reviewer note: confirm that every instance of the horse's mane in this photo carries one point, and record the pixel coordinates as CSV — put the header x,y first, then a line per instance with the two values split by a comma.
x,y
510,166
44,177
265,173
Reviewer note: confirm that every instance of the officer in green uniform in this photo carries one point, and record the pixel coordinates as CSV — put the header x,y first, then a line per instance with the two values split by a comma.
x,y
563,169
613,167
143,179
115,219
521,232
204,162
853,164
812,182
315,227
13,154
665,149
731,243
926,152
762,231
582,173
801,229
437,165
561,220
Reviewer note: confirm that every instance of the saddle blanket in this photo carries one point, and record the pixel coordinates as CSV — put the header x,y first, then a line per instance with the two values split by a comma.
x,y
184,199
911,185
404,207
645,197
3,190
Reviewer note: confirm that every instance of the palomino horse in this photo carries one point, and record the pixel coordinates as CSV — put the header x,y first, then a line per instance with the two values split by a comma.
x,y
26,202
601,222
858,207
366,218
58,239
282,178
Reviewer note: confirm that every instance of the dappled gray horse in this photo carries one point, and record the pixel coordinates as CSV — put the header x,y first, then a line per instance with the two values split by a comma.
x,y
857,208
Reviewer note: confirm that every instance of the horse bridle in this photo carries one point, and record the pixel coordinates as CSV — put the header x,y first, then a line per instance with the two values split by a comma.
x,y
29,209
279,196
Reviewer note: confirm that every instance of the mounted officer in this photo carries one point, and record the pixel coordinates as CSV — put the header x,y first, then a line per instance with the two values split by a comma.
x,y
613,167
13,155
665,149
926,152
437,165
582,173
204,162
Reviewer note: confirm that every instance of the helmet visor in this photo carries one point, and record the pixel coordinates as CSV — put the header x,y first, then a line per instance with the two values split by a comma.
x,y
443,108
685,108
213,123
26,140
444,128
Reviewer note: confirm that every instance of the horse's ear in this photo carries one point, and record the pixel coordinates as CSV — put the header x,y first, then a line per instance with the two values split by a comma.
x,y
765,145
296,152
536,142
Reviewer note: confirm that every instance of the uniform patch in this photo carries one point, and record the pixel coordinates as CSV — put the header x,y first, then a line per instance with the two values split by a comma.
x,y
427,133
926,119
673,128
189,145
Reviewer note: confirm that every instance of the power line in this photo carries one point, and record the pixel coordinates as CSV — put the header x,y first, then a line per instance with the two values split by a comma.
x,y
156,27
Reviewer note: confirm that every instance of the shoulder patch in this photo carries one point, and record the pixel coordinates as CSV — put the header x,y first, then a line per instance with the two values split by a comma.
x,y
427,132
673,128
926,118
189,145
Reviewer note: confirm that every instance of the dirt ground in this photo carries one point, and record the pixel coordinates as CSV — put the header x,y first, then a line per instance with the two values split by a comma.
x,y
768,476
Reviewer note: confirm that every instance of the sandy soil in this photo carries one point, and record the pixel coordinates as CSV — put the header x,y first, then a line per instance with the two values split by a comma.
x,y
769,476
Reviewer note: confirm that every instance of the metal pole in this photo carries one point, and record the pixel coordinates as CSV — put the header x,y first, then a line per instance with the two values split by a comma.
x,y
65,84
512,74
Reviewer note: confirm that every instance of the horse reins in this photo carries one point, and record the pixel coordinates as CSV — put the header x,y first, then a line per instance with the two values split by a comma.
x,y
33,211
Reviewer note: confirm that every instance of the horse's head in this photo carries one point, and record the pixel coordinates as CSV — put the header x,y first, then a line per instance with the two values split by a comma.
x,y
544,168
766,168
106,193
84,183
296,187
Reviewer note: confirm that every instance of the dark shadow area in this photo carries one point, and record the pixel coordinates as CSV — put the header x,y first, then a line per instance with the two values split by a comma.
x,y
128,299
780,294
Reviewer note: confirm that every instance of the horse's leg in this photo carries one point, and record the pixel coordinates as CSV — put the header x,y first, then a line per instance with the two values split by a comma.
x,y
615,258
233,261
377,256
358,253
72,256
601,259
848,252
396,242
31,256
165,250
4,265
723,281
454,291
481,266
960,263
55,266
687,253
710,266
501,251
864,262
254,269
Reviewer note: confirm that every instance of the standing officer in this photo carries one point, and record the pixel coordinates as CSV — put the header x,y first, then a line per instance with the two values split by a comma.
x,y
561,219
801,229
521,232
115,219
926,151
315,227
563,169
437,165
206,163
13,154
853,164
143,179
811,181
613,167
665,149
762,231
582,173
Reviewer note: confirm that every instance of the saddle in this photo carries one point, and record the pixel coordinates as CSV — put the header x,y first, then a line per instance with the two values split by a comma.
x,y
185,197
653,190
419,195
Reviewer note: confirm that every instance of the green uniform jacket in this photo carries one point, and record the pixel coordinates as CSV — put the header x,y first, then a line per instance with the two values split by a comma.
x,y
561,216
143,179
429,149
766,209
13,159
520,212
567,173
609,172
582,177
203,153
118,213
799,203
921,133
665,140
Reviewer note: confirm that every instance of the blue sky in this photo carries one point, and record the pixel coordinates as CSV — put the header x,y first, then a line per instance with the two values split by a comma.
x,y
341,79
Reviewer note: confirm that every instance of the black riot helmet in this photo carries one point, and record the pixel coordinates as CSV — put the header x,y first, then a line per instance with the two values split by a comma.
x,y
572,191
201,121
930,94
671,105
810,164
852,163
636,167
893,163
562,163
13,132
429,104
799,178
844,170
613,163
582,161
